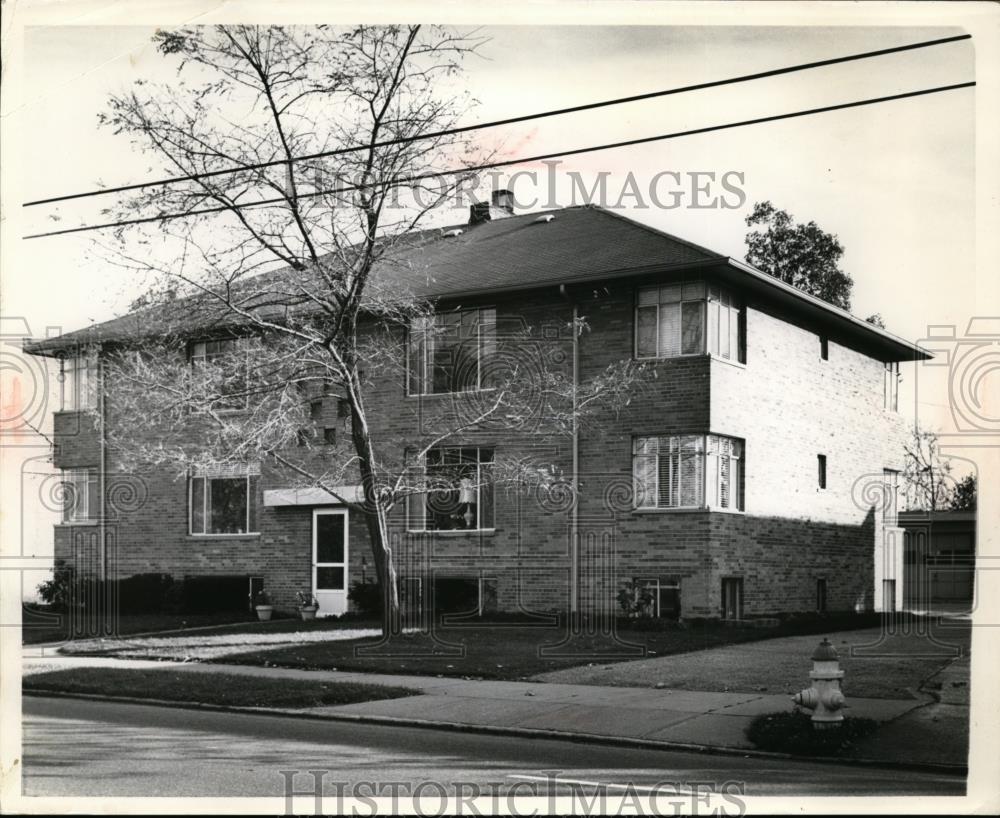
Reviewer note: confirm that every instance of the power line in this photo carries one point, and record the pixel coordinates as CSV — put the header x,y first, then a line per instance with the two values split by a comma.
x,y
522,160
509,121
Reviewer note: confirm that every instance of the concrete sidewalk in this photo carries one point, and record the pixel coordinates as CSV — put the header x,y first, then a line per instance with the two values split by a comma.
x,y
681,717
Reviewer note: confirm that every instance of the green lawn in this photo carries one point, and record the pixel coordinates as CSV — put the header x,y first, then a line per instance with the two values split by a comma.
x,y
506,650
208,688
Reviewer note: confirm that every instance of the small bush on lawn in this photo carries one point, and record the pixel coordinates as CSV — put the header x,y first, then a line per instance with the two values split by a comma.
x,y
794,733
230,689
366,597
144,593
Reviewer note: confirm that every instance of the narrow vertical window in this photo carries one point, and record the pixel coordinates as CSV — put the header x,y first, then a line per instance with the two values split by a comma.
x,y
79,382
821,470
80,495
821,596
890,386
890,500
824,348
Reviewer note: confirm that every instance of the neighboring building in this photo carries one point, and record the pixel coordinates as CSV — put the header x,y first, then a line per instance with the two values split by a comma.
x,y
732,487
939,560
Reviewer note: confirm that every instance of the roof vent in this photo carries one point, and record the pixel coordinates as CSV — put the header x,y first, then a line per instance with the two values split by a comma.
x,y
545,218
452,233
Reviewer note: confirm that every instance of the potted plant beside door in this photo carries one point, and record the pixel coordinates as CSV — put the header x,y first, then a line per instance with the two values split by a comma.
x,y
263,606
307,605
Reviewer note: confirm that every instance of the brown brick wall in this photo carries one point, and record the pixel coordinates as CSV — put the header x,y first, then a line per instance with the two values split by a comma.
x,y
786,403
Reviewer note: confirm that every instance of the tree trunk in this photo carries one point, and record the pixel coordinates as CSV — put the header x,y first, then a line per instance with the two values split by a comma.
x,y
375,510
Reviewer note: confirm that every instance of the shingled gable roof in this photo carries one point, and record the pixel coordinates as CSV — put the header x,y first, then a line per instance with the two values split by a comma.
x,y
524,252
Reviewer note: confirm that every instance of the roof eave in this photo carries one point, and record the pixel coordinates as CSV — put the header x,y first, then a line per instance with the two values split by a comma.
x,y
903,350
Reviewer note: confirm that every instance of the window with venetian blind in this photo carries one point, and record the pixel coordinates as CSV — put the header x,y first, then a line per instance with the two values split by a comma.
x,y
688,471
688,318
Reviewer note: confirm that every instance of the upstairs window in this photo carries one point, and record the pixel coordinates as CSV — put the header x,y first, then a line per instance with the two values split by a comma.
x,y
223,501
890,386
447,351
459,491
229,356
688,471
688,318
80,495
821,471
824,348
79,382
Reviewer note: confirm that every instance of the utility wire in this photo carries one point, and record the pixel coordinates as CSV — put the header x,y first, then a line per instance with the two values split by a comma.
x,y
507,162
509,121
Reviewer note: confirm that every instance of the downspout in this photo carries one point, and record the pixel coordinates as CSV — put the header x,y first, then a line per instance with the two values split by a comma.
x,y
574,525
102,519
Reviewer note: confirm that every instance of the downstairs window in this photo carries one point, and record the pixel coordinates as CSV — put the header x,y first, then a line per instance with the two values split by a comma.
x,y
688,471
223,501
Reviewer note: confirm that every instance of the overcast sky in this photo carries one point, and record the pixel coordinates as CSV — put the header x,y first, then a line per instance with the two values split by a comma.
x,y
895,181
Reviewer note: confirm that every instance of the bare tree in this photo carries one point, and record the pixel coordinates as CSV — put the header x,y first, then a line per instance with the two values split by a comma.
x,y
303,284
926,473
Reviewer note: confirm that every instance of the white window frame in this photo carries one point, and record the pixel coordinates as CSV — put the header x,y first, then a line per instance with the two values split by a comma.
x,y
715,302
710,451
207,475
79,375
78,483
420,384
479,483
655,585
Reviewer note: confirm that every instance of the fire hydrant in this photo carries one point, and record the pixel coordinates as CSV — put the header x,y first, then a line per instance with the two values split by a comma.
x,y
824,698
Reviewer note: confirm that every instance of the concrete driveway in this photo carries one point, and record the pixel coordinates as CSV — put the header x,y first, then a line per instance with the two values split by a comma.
x,y
876,664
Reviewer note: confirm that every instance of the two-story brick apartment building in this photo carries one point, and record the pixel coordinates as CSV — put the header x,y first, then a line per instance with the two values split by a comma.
x,y
738,484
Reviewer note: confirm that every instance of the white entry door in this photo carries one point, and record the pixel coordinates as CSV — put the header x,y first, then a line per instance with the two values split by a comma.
x,y
330,560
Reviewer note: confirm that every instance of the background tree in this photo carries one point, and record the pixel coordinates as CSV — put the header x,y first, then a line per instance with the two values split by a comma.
x,y
802,255
303,280
963,498
926,473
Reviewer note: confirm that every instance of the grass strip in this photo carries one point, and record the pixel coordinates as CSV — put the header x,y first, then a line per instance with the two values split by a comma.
x,y
226,689
794,733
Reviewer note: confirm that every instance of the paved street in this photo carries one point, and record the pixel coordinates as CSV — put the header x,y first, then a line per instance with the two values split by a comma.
x,y
80,748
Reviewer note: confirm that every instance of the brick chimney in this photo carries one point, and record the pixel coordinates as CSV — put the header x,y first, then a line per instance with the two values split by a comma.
x,y
504,200
500,206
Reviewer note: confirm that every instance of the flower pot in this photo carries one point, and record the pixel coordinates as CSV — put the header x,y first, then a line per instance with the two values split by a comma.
x,y
264,612
308,611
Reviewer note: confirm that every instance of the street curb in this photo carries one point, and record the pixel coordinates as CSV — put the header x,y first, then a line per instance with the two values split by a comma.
x,y
521,732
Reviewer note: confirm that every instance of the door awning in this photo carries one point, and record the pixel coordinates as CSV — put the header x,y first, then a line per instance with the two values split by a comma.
x,y
313,496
